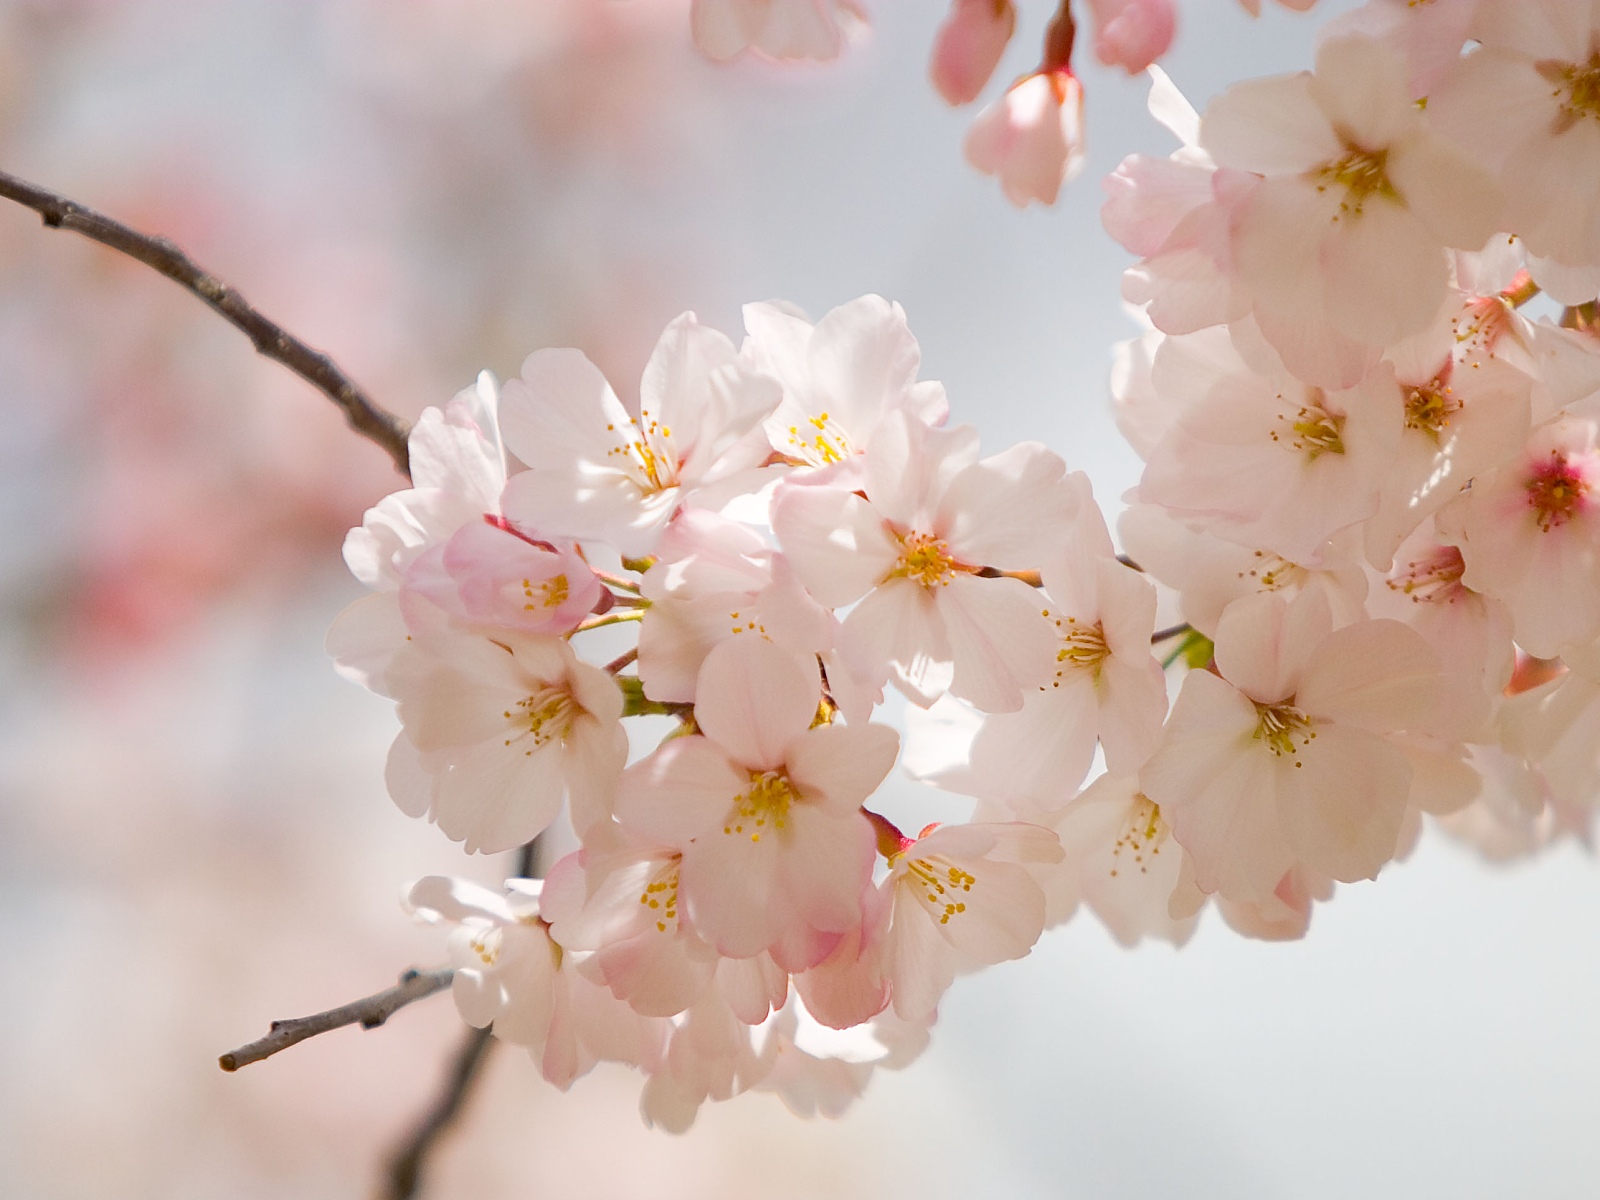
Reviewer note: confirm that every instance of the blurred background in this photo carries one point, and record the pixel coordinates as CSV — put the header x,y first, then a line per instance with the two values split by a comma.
x,y
194,834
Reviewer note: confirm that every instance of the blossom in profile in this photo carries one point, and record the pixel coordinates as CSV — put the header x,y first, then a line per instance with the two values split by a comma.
x,y
1032,137
1132,34
968,47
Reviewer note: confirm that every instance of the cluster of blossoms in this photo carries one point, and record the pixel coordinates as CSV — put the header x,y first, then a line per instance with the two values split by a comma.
x,y
1032,137
1372,497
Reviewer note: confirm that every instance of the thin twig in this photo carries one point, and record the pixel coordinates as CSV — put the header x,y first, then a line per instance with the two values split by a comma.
x,y
621,660
404,1175
1171,631
366,417
369,1012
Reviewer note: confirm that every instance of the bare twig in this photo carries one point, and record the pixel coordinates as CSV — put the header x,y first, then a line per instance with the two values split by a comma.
x,y
404,1175
366,417
1171,631
369,1013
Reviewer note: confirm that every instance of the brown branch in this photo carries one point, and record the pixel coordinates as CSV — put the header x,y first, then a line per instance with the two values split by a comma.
x,y
1171,631
366,417
404,1175
369,1012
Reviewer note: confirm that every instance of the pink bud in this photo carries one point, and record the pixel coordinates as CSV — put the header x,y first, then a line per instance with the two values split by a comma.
x,y
1032,137
968,47
1132,34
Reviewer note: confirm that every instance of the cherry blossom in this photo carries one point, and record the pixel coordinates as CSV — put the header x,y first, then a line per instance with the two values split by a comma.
x,y
968,47
1032,137
794,853
1281,759
594,471
799,29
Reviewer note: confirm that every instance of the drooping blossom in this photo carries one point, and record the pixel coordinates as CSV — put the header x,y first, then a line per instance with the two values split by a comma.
x,y
1032,137
968,47
1132,34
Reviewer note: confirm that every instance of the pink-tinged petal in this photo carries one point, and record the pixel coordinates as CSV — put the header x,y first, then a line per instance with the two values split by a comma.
x,y
1031,138
592,762
753,987
560,406
682,790
1000,644
838,766
1041,753
837,544
673,400
862,359
900,624
409,783
826,867
730,883
921,963
1133,705
1456,199
1217,786
1269,126
909,465
1376,675
1007,511
723,29
754,698
1385,274
1342,811
495,797
443,898
364,639
1263,642
1360,85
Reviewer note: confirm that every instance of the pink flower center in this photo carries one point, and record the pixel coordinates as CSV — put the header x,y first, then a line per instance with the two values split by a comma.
x,y
1315,430
547,714
1361,173
660,896
1577,89
924,558
1083,647
550,593
1556,491
1273,572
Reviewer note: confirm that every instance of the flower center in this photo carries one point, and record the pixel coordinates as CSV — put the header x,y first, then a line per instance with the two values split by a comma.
x,y
938,882
1577,89
1279,724
1142,837
821,441
548,715
551,593
1314,431
925,559
646,456
1361,173
1430,406
1556,491
1273,572
764,807
660,896
1083,647
1435,578
486,945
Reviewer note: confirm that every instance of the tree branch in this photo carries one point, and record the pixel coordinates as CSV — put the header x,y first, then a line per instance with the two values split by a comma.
x,y
369,1013
405,1168
366,417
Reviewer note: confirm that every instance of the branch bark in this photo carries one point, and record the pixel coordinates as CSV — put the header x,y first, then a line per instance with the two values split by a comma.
x,y
368,1012
366,417
404,1175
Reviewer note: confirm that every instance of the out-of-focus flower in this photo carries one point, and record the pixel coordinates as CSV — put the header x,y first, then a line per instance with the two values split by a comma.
x,y
1132,34
793,29
968,47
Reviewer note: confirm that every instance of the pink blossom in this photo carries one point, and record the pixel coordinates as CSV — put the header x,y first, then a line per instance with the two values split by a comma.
x,y
1032,137
1283,757
968,47
764,809
785,29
